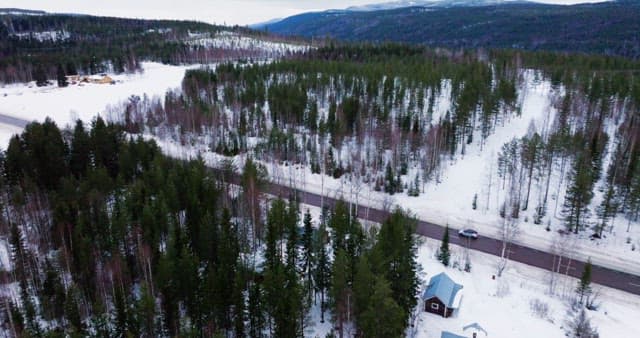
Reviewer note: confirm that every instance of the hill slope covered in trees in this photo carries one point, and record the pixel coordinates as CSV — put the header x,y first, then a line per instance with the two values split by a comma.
x,y
604,28
41,47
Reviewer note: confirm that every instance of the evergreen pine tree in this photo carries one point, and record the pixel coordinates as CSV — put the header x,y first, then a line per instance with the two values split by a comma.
x,y
53,303
19,253
307,254
239,314
606,210
443,253
80,152
255,311
389,180
414,189
584,284
383,318
146,312
396,251
121,313
322,271
340,291
578,195
340,223
61,77
292,238
17,318
362,288
30,311
71,68
40,76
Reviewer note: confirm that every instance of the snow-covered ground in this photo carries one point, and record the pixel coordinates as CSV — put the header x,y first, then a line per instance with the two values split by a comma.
x,y
503,307
6,131
44,35
65,105
5,261
235,41
446,202
449,201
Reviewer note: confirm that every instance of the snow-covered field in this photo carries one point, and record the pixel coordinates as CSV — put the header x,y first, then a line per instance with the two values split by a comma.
x,y
65,105
503,307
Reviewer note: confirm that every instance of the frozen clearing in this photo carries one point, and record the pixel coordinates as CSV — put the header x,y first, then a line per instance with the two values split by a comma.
x,y
85,101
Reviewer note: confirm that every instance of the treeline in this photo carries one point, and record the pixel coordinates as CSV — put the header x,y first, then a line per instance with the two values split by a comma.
x,y
109,238
86,45
79,44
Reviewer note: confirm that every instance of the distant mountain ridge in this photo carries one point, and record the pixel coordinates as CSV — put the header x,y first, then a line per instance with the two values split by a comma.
x,y
609,28
19,11
430,3
401,4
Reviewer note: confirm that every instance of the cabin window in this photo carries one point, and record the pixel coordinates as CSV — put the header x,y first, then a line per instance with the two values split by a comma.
x,y
435,306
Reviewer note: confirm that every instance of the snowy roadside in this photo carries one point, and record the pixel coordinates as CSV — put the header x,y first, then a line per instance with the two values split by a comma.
x,y
449,200
445,202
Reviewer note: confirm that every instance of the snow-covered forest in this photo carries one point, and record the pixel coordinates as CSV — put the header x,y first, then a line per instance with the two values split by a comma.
x,y
394,119
103,235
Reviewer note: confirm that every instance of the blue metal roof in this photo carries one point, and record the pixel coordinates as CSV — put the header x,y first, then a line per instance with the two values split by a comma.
x,y
446,334
442,287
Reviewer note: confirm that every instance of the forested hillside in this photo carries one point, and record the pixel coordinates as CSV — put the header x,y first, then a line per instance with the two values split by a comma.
x,y
604,28
41,47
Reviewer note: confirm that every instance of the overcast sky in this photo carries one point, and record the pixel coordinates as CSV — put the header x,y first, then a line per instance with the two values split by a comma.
x,y
231,12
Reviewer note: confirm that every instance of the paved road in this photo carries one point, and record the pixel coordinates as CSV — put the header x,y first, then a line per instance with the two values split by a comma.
x,y
13,121
519,253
